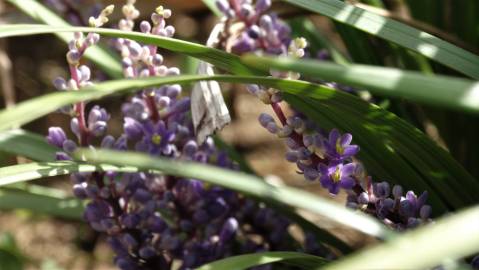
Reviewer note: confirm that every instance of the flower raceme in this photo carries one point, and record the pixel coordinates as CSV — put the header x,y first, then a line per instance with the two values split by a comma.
x,y
156,221
327,157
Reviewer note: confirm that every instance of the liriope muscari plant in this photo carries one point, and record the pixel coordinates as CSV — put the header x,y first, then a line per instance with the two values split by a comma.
x,y
156,221
320,155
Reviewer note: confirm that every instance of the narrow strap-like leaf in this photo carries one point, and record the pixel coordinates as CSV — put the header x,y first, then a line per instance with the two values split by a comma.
x,y
27,144
35,108
453,237
30,171
68,208
445,91
394,31
244,183
241,262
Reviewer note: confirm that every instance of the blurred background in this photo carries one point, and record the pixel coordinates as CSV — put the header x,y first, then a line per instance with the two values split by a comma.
x,y
28,65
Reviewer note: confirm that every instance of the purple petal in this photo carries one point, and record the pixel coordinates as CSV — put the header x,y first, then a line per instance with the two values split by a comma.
x,y
421,200
347,182
411,197
345,139
333,137
348,169
323,169
326,181
350,150
334,189
149,128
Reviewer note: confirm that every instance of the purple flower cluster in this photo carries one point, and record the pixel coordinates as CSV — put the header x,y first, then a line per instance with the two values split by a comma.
x,y
251,29
318,157
318,154
156,221
399,211
328,158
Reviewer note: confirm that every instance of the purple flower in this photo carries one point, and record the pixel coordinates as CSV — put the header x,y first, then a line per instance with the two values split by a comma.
x,y
157,139
337,176
338,147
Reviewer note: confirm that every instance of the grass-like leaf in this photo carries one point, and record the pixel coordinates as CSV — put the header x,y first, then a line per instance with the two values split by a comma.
x,y
17,174
23,143
304,261
96,54
244,183
444,91
396,32
30,171
220,59
211,4
450,238
380,134
35,108
63,207
392,149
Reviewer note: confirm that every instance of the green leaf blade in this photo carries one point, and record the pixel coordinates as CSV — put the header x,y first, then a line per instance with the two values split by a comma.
x,y
26,144
244,183
396,32
444,91
452,237
242,262
67,208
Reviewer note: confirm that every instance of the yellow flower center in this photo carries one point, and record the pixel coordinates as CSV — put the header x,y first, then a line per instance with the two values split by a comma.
x,y
156,139
336,176
339,148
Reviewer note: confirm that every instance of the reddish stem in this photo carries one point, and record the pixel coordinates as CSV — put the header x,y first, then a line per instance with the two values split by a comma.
x,y
279,112
80,111
151,103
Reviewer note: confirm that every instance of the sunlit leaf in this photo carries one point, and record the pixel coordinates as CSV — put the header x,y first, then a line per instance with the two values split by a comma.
x,y
453,237
396,32
304,261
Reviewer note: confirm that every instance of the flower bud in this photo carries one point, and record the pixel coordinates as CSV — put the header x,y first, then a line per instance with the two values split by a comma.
x,y
311,174
262,5
73,57
228,230
425,212
145,27
60,83
56,136
363,198
69,146
107,142
133,128
85,73
292,156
